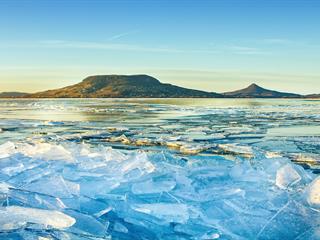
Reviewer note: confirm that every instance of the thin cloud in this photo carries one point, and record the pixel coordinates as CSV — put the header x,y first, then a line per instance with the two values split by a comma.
x,y
122,47
104,45
121,35
244,50
252,53
289,43
88,45
51,44
277,41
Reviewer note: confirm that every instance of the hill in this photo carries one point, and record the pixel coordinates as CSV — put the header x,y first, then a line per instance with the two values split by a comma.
x,y
12,94
123,86
312,96
255,91
144,86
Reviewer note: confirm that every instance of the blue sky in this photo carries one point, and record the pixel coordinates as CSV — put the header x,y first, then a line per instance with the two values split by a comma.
x,y
215,45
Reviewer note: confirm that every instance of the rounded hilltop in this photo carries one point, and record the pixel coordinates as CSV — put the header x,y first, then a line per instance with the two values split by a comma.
x,y
123,86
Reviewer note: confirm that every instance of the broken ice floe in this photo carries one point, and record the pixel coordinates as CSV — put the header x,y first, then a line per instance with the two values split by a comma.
x,y
88,192
15,217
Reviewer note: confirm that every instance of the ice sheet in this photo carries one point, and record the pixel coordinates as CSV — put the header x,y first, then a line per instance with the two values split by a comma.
x,y
159,169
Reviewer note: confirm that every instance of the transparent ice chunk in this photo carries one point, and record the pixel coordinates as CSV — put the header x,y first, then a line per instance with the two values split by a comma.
x,y
55,186
237,149
168,212
118,227
88,225
287,176
313,193
46,151
151,186
14,217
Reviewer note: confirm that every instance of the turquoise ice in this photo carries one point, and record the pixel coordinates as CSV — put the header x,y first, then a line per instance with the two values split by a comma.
x,y
159,169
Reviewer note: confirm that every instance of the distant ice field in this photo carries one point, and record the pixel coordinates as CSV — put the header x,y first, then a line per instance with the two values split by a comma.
x,y
159,169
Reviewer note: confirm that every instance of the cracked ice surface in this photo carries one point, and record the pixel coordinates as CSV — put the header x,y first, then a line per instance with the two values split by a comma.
x,y
159,169
105,192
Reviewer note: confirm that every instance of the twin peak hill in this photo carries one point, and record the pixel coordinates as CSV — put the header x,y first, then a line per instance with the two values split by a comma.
x,y
144,86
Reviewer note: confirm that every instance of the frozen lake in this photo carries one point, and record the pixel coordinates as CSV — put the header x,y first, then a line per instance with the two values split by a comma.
x,y
160,169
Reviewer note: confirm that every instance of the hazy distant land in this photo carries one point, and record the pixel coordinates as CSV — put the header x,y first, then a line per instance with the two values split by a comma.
x,y
12,94
144,86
